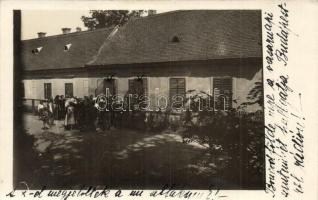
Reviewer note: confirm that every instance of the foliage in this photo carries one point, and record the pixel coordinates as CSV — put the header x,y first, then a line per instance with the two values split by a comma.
x,y
234,135
255,95
109,18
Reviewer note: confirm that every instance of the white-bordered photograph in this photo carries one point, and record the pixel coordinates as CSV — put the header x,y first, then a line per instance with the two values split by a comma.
x,y
158,98
141,99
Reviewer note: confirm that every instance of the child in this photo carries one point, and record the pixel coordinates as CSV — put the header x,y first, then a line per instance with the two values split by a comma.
x,y
45,117
40,109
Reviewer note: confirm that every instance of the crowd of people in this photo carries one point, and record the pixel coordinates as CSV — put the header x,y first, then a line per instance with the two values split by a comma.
x,y
77,113
85,114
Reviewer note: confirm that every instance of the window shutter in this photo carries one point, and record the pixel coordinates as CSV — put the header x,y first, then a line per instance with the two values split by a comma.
x,y
69,89
222,88
145,86
177,87
110,84
136,86
131,86
47,90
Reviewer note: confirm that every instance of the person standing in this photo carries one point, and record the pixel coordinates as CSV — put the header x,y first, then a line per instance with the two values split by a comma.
x,y
40,109
44,116
70,117
62,106
57,107
51,111
92,113
86,113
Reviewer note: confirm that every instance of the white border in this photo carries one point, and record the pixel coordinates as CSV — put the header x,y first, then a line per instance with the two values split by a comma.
x,y
303,69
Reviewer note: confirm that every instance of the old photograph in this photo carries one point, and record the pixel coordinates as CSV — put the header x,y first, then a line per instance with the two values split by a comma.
x,y
138,99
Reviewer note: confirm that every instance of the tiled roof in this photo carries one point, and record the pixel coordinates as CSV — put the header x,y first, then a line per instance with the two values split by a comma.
x,y
185,35
53,53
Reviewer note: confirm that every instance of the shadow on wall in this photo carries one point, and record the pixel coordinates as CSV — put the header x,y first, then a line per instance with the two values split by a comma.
x,y
240,68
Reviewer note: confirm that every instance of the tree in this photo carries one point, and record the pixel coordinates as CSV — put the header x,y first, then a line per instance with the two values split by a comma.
x,y
237,139
109,18
256,94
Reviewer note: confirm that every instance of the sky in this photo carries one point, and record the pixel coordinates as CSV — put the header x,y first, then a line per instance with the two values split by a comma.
x,y
51,21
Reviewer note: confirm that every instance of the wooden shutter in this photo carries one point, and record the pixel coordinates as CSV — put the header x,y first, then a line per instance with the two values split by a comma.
x,y
222,88
102,84
177,87
137,86
110,84
47,90
145,86
69,89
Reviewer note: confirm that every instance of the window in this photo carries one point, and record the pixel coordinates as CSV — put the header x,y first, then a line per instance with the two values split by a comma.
x,y
47,90
222,92
68,89
37,50
103,84
138,86
110,85
137,89
67,47
177,90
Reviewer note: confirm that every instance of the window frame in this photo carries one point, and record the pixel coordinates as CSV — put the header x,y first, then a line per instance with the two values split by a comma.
x,y
133,99
144,85
229,103
65,89
101,83
46,95
177,94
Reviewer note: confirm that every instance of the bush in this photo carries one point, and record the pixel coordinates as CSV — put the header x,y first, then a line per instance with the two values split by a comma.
x,y
237,136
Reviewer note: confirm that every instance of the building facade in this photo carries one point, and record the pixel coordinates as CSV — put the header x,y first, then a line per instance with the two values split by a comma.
x,y
169,54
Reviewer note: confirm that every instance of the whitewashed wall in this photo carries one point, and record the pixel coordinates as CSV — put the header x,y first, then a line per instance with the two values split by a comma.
x,y
241,88
34,89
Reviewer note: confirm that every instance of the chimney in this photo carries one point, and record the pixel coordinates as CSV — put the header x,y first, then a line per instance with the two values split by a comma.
x,y
152,12
78,29
66,30
41,34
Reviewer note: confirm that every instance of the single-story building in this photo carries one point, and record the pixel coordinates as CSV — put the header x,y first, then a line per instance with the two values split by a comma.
x,y
167,54
55,65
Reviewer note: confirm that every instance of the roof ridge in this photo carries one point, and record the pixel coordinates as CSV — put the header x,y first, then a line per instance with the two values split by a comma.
x,y
70,34
107,28
159,14
190,10
147,40
165,13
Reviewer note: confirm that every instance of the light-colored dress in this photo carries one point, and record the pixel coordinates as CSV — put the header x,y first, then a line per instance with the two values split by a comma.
x,y
70,118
